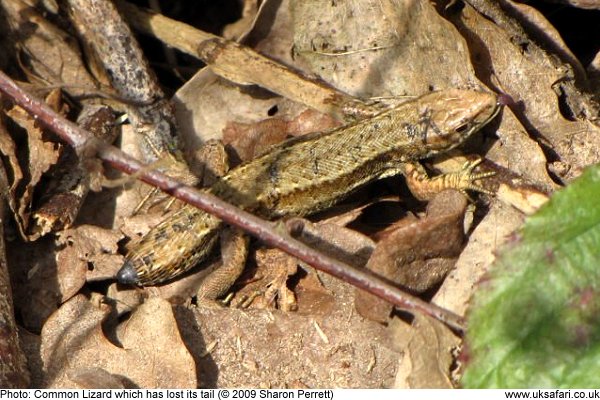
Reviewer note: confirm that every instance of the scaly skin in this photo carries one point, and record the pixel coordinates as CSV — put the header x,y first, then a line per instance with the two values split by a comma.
x,y
311,173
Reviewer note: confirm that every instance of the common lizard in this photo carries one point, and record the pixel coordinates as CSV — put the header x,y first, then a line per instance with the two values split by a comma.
x,y
311,173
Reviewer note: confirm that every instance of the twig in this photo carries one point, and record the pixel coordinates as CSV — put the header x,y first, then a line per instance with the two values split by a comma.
x,y
85,144
243,65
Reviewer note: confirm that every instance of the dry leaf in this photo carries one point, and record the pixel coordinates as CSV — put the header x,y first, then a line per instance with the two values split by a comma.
x,y
152,353
51,270
42,155
88,252
455,292
417,254
531,78
381,48
251,140
49,54
428,356
74,176
8,149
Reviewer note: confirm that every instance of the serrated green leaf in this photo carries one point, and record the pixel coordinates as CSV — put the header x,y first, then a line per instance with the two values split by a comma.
x,y
535,321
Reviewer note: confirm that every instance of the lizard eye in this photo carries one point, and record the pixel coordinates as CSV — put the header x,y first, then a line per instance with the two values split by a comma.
x,y
462,128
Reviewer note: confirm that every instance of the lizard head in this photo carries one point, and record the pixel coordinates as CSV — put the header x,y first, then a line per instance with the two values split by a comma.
x,y
451,116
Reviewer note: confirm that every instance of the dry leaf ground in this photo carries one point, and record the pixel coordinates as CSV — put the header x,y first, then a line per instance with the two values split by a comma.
x,y
81,330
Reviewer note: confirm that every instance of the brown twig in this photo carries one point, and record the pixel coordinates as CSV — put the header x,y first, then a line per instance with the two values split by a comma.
x,y
243,65
85,144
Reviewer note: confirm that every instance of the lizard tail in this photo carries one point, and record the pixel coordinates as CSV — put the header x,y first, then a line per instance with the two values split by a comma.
x,y
171,248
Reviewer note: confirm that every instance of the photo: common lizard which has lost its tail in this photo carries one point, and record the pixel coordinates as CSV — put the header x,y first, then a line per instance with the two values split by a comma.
x,y
308,174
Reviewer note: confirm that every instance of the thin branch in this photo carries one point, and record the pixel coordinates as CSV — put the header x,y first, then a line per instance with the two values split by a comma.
x,y
87,145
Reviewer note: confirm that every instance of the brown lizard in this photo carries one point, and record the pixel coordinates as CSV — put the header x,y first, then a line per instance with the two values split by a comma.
x,y
311,173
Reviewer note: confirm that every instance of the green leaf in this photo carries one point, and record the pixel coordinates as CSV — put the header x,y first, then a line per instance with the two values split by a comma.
x,y
535,320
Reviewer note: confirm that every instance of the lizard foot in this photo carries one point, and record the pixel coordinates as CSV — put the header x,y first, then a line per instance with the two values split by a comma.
x,y
425,188
464,179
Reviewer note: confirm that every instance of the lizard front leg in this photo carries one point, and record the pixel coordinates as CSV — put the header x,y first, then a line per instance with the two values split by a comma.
x,y
424,187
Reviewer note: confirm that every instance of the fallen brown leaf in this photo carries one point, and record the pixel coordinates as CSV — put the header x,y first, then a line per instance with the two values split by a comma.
x,y
88,253
417,254
251,140
42,154
428,357
152,353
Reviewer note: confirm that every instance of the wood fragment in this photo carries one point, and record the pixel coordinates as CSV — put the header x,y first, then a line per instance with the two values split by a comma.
x,y
243,65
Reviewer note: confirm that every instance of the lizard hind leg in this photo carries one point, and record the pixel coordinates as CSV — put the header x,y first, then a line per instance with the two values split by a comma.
x,y
234,250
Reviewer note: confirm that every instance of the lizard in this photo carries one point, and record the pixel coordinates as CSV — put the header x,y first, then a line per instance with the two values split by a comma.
x,y
307,174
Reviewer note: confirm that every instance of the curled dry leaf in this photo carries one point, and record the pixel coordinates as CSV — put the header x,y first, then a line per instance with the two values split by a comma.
x,y
49,271
152,353
48,53
42,154
8,149
74,175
